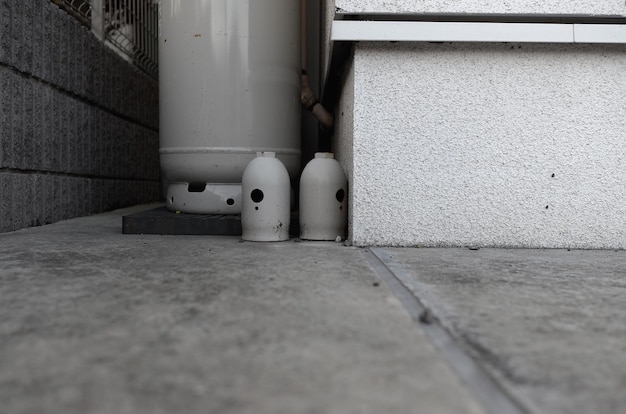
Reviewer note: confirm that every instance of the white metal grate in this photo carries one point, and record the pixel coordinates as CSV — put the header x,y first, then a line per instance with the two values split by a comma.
x,y
132,27
81,9
129,26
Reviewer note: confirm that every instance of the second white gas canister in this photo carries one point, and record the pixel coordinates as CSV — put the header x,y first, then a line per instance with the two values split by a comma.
x,y
323,199
265,199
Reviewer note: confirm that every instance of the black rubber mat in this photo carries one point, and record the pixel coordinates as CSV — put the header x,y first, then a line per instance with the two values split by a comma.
x,y
163,221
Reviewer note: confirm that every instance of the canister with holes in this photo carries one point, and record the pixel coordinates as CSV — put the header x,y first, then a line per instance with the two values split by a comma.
x,y
265,199
323,199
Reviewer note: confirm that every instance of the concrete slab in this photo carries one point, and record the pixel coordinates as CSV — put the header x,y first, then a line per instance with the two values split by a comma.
x,y
94,321
547,324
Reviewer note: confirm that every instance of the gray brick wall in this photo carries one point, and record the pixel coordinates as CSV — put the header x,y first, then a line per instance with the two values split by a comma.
x,y
78,124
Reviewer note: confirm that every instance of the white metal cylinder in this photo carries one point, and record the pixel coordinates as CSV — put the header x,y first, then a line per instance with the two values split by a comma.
x,y
265,204
323,199
194,198
229,80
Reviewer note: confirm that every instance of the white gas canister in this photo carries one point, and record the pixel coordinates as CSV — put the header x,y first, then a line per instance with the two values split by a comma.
x,y
323,199
265,201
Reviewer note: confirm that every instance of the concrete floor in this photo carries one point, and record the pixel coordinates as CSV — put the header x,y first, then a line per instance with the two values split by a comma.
x,y
94,321
548,325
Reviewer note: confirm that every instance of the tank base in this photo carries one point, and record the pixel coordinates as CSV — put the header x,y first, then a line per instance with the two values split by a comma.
x,y
204,198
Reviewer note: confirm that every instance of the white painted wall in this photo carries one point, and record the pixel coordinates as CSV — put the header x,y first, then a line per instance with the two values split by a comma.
x,y
594,7
490,144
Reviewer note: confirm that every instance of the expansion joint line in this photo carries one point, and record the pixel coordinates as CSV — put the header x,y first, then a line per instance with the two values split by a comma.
x,y
487,390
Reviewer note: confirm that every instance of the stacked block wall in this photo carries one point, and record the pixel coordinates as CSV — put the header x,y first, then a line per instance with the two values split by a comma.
x,y
78,124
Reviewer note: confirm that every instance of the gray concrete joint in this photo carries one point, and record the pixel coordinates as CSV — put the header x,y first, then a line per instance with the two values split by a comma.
x,y
78,97
494,398
72,175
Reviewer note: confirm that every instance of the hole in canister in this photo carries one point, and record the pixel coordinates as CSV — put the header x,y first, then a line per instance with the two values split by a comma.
x,y
230,201
256,195
196,187
171,200
340,195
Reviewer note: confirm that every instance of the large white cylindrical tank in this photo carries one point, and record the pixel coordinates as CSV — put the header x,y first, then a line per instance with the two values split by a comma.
x,y
229,80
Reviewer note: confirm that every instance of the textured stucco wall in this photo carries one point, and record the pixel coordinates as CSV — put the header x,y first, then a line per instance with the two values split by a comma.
x,y
343,135
595,7
78,124
489,144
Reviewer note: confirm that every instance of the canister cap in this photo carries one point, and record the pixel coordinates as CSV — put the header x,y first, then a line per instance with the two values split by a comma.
x,y
266,154
324,155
